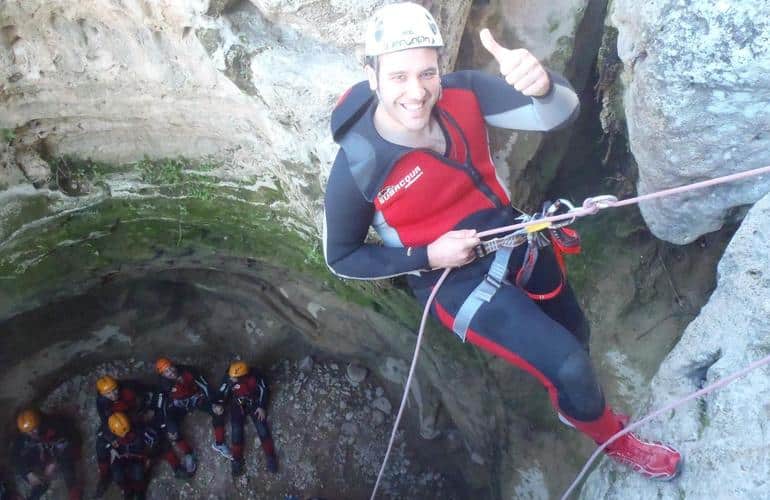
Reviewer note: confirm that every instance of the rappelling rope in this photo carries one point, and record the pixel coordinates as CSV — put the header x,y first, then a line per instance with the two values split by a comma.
x,y
590,206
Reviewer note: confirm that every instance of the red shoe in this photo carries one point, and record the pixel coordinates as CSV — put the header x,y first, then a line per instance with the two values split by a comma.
x,y
653,460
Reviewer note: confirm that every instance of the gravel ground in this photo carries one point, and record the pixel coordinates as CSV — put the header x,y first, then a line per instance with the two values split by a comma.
x,y
330,433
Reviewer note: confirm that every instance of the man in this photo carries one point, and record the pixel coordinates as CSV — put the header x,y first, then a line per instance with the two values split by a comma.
x,y
123,451
43,449
141,405
128,396
185,390
247,392
414,163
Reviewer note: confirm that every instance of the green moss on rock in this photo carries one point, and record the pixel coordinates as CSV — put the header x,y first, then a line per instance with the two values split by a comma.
x,y
179,208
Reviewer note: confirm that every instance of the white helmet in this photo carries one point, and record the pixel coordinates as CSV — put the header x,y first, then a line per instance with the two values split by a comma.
x,y
401,26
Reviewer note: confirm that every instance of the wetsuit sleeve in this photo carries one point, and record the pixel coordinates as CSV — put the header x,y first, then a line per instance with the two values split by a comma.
x,y
347,217
505,107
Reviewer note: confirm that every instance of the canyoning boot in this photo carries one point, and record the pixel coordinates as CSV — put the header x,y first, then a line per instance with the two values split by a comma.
x,y
272,463
237,467
223,450
651,459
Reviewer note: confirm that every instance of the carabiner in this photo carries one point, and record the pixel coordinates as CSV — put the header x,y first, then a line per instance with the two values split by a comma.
x,y
554,208
600,202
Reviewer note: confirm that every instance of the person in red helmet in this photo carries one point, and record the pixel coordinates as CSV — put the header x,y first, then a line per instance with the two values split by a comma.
x,y
247,392
414,163
44,449
184,389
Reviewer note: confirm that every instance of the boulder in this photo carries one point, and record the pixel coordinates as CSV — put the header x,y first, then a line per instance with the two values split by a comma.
x,y
697,102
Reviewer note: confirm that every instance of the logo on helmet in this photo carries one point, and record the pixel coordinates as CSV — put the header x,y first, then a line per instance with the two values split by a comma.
x,y
405,43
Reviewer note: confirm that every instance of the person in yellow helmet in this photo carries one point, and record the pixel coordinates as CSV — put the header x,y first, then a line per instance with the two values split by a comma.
x,y
141,403
415,165
132,397
123,454
247,392
44,448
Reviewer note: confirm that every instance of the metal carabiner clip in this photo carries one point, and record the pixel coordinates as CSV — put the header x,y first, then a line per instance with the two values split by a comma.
x,y
600,202
555,207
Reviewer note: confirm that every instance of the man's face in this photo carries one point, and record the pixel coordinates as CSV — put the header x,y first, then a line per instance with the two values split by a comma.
x,y
112,395
170,372
408,85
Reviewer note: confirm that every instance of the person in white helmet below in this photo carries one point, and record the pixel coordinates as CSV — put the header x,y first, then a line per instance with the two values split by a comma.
x,y
414,163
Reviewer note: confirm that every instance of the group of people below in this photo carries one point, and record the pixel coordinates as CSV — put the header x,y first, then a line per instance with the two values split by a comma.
x,y
140,423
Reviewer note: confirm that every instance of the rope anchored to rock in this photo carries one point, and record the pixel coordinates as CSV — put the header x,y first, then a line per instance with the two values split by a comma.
x,y
590,206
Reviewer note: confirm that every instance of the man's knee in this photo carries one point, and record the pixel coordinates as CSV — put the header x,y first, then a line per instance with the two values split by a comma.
x,y
580,395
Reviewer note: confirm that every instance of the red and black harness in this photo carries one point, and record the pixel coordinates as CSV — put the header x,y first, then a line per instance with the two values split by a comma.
x,y
562,239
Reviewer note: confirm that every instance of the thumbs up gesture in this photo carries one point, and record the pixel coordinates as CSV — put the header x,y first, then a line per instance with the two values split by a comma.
x,y
520,68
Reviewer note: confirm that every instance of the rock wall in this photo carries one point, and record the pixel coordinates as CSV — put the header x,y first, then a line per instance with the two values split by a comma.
x,y
697,102
724,436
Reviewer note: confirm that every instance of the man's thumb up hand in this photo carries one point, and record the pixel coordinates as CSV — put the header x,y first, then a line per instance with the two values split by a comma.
x,y
520,68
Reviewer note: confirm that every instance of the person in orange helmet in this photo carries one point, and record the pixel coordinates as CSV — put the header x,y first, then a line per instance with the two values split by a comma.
x,y
247,392
43,449
123,452
185,389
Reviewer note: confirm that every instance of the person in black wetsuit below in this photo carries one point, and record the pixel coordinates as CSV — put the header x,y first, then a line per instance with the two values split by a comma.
x,y
43,449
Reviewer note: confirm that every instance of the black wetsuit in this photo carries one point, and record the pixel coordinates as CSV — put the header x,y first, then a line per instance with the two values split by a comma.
x,y
126,459
190,393
246,395
413,196
54,444
135,399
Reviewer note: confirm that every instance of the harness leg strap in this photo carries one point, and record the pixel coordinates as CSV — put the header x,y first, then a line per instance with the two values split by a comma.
x,y
483,292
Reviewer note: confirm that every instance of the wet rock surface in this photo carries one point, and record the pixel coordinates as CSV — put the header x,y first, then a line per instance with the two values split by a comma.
x,y
697,103
330,437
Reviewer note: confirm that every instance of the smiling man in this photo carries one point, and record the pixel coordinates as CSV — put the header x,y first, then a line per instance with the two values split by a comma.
x,y
414,163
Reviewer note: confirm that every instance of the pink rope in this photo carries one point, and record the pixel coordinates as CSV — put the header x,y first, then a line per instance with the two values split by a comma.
x,y
590,207
409,377
593,205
